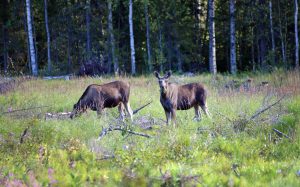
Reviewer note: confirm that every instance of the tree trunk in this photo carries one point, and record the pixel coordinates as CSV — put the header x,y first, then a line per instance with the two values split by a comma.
x,y
133,69
112,41
34,36
148,37
28,49
233,68
212,39
70,38
272,32
5,48
100,50
48,36
88,33
31,43
161,67
262,37
283,53
296,36
69,51
198,29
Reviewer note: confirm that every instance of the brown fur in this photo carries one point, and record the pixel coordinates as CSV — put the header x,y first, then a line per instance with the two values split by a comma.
x,y
181,97
97,97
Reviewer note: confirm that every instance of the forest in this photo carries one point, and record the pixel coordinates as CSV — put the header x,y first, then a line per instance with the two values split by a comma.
x,y
149,93
137,37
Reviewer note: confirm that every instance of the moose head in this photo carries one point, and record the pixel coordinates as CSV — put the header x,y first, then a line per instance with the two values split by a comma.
x,y
163,81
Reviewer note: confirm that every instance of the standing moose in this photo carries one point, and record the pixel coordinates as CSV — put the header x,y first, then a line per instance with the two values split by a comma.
x,y
97,97
175,97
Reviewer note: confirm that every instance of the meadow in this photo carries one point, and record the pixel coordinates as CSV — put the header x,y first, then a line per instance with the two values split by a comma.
x,y
239,146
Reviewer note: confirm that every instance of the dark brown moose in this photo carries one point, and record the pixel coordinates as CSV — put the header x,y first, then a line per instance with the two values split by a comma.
x,y
175,97
97,97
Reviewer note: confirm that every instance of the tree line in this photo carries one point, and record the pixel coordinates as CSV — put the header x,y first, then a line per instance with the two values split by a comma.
x,y
139,36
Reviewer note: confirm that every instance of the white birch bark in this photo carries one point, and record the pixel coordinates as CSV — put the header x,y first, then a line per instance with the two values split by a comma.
x,y
88,33
30,38
148,37
233,68
296,36
272,31
283,53
112,39
212,40
48,35
133,68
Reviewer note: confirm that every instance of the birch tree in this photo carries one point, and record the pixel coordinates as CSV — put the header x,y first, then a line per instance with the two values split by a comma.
x,y
88,33
133,69
212,39
261,33
112,40
272,31
282,38
5,35
296,35
148,36
233,68
30,38
48,35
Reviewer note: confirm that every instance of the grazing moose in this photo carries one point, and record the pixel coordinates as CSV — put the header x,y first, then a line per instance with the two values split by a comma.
x,y
175,97
98,97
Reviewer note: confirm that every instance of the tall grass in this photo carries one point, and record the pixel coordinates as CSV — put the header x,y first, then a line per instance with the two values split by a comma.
x,y
208,153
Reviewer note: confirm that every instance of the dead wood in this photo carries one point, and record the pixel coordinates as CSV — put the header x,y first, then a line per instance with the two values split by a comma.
x,y
138,109
65,77
61,115
119,128
106,157
258,113
24,109
280,134
23,136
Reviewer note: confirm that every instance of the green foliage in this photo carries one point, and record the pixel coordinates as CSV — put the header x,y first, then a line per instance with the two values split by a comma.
x,y
210,153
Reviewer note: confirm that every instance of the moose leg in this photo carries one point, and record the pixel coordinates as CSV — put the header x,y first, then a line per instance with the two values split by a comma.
x,y
173,116
205,110
99,111
121,111
197,113
168,116
129,110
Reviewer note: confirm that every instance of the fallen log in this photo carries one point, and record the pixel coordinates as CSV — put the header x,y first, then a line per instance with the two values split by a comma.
x,y
61,115
118,128
24,109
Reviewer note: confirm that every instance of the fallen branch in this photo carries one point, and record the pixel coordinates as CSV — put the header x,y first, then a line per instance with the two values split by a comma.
x,y
106,157
137,110
24,109
266,108
281,134
23,135
118,128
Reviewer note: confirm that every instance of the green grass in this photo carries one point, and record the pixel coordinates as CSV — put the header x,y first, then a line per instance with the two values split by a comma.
x,y
206,153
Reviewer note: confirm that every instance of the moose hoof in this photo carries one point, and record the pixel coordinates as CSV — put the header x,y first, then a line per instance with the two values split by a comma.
x,y
197,119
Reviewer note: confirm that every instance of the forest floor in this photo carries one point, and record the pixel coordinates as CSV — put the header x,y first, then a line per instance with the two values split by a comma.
x,y
253,138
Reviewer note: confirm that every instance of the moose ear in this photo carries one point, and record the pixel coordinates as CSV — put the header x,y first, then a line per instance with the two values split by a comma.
x,y
156,74
168,75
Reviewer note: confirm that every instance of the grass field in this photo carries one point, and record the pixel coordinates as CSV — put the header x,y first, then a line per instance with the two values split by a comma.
x,y
230,150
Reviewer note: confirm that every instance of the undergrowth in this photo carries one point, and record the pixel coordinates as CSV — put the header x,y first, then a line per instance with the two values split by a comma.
x,y
229,150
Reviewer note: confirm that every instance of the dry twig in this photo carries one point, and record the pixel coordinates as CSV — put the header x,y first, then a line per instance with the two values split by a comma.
x,y
118,128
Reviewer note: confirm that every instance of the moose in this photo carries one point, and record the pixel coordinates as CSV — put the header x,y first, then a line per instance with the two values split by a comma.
x,y
181,97
97,97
